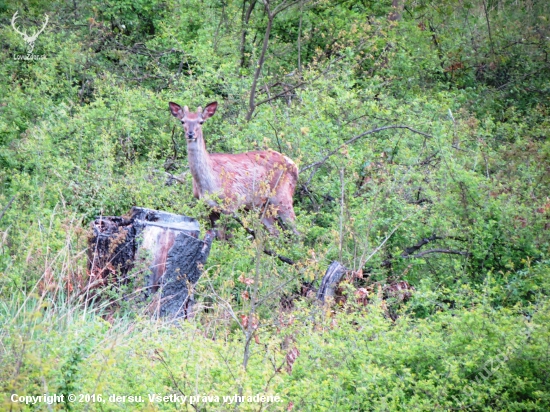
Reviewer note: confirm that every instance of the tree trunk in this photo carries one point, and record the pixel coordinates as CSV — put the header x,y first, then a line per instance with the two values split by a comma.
x,y
259,66
330,281
166,243
244,31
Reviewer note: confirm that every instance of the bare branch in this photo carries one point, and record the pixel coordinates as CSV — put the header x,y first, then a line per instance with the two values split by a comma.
x,y
275,290
259,66
291,88
228,307
266,251
449,251
407,252
283,6
280,257
177,178
244,31
7,207
317,164
385,240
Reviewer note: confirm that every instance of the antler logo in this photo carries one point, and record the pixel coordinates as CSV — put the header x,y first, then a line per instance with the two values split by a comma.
x,y
28,39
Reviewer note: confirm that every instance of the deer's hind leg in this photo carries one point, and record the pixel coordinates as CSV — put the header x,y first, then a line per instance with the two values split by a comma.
x,y
220,228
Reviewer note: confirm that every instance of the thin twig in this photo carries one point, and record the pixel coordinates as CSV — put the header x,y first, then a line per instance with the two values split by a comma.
x,y
176,178
7,207
174,144
449,251
290,88
488,27
172,377
386,239
408,252
276,136
228,307
317,164
275,290
341,240
266,251
280,257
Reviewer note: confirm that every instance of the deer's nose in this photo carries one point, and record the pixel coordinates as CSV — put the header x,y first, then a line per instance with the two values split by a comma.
x,y
190,135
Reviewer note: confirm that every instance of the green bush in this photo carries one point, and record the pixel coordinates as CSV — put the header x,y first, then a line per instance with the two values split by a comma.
x,y
448,192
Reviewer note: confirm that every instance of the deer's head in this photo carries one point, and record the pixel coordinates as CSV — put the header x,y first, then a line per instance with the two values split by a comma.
x,y
192,122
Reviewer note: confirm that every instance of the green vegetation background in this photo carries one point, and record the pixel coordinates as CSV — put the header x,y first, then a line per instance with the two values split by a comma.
x,y
86,131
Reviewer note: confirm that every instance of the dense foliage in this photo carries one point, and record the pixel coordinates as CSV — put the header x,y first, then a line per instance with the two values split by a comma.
x,y
448,189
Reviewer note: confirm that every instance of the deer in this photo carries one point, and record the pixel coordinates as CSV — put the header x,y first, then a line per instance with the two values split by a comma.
x,y
258,180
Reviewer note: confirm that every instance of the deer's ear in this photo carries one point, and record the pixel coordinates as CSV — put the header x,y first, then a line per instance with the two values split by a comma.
x,y
176,110
209,110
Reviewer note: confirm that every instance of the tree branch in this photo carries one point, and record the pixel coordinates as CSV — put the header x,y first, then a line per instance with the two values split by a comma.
x,y
266,251
246,20
423,242
449,251
408,252
7,207
302,83
271,14
284,6
317,164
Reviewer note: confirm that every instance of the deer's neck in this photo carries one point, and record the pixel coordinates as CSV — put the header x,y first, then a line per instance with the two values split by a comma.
x,y
201,167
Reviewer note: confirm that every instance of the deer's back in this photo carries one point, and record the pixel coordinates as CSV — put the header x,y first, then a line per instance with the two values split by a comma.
x,y
253,177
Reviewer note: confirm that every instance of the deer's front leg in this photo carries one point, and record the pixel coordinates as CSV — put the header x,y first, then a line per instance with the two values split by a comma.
x,y
269,223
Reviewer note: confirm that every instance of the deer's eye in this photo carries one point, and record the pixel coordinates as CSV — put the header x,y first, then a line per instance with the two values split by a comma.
x,y
201,122
183,122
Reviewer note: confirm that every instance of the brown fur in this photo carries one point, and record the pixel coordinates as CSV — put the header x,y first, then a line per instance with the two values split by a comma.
x,y
259,180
